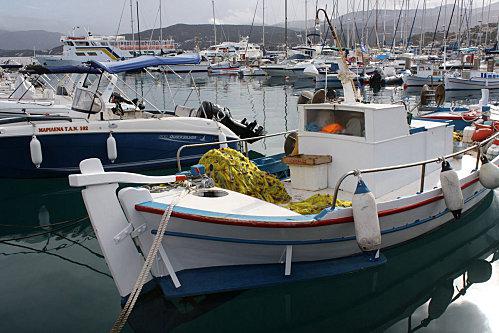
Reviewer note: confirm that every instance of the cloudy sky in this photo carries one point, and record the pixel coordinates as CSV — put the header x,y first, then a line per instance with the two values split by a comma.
x,y
103,16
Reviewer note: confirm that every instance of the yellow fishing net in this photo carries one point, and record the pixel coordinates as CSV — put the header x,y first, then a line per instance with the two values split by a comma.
x,y
233,171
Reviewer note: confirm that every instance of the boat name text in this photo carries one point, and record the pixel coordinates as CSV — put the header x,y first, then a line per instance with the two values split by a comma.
x,y
63,129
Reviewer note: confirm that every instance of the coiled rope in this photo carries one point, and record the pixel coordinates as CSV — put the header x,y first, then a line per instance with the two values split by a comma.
x,y
141,279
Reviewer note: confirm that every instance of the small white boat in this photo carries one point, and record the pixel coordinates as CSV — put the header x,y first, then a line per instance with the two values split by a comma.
x,y
210,239
425,74
473,80
251,71
24,98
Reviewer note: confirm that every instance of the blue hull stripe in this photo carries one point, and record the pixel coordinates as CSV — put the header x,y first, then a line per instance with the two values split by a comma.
x,y
311,242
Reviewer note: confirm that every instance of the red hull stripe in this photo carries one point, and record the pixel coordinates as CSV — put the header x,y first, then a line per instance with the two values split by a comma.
x,y
305,224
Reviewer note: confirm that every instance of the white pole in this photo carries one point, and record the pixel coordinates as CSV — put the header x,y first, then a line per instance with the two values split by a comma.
x,y
214,21
263,24
131,23
306,23
160,27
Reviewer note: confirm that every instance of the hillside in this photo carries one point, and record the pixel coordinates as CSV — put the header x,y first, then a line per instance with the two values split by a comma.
x,y
188,35
29,39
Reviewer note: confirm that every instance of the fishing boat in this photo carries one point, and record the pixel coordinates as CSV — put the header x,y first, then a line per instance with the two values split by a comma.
x,y
472,80
112,127
425,73
462,116
399,177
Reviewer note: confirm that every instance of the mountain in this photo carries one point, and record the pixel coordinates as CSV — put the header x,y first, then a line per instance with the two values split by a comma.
x,y
29,39
354,24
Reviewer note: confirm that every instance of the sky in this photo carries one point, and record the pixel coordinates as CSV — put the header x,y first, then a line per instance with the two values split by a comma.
x,y
103,16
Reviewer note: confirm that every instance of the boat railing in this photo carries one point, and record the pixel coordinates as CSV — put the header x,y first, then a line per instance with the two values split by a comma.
x,y
423,164
216,143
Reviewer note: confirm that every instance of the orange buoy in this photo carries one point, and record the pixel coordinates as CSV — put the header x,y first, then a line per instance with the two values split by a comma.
x,y
481,134
332,128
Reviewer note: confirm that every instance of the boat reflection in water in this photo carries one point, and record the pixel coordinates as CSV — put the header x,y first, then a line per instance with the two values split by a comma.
x,y
422,278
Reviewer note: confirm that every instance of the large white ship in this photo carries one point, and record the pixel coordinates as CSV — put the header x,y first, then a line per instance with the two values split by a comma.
x,y
79,49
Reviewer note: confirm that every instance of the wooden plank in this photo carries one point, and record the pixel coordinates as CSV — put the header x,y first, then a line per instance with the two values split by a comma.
x,y
303,159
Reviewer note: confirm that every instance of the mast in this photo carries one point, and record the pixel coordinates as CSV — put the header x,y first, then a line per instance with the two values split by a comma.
x,y
422,32
131,23
384,26
263,24
138,27
412,26
160,27
306,23
214,21
286,26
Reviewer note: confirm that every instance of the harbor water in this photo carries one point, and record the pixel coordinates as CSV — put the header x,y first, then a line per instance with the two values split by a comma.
x,y
55,279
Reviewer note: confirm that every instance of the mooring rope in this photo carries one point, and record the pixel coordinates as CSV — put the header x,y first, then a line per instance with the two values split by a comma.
x,y
141,279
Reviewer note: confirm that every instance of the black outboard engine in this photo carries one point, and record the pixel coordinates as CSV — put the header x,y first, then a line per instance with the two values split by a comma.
x,y
243,129
376,81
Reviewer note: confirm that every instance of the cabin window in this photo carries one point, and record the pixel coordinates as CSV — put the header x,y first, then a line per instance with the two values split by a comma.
x,y
93,54
80,54
70,43
335,122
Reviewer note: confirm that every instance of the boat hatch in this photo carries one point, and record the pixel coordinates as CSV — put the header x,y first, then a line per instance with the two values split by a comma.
x,y
335,121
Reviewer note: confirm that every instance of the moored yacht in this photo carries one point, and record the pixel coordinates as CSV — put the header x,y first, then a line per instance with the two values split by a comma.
x,y
105,124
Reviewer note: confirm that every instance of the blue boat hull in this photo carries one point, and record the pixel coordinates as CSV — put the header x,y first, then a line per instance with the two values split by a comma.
x,y
63,153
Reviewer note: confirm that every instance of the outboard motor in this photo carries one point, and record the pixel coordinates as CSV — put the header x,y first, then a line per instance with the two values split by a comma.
x,y
376,81
242,128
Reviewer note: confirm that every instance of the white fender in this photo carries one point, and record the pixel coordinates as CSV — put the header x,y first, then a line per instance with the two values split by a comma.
x,y
222,137
468,134
488,174
493,150
35,149
112,150
365,216
311,71
451,188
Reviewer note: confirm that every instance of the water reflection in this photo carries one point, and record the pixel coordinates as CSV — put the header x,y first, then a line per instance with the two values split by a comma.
x,y
420,272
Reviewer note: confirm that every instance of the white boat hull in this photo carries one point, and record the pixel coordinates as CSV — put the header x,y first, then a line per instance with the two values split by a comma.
x,y
417,81
477,83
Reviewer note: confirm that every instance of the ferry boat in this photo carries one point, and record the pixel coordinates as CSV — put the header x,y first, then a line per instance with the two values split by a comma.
x,y
80,49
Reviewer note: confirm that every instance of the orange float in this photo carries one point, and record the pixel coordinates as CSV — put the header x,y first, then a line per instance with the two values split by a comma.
x,y
332,128
481,134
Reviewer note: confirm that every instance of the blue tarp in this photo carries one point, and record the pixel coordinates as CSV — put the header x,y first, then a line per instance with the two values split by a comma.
x,y
145,61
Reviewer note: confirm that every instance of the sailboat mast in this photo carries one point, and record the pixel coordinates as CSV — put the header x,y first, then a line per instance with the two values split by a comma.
x,y
131,22
263,24
422,32
306,22
384,26
138,27
160,26
214,21
286,26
